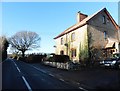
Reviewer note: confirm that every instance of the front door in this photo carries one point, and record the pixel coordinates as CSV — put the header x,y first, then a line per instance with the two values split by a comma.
x,y
61,52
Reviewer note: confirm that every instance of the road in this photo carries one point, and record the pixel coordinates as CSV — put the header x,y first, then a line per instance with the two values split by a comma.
x,y
17,75
94,78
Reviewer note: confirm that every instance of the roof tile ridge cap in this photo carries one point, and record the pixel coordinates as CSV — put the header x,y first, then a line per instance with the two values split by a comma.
x,y
92,15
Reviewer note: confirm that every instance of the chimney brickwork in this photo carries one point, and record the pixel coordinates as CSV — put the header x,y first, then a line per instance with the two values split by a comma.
x,y
80,16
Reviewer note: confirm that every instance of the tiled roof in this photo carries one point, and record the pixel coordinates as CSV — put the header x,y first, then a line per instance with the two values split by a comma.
x,y
84,22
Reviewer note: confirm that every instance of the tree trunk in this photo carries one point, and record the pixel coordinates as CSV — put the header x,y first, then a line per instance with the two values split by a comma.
x,y
23,54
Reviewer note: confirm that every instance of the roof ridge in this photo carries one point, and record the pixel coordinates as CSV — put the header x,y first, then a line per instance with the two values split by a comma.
x,y
83,22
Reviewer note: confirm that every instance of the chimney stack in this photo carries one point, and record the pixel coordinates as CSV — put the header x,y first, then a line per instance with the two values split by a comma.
x,y
80,16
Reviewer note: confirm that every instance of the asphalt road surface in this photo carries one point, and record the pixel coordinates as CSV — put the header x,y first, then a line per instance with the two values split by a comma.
x,y
17,75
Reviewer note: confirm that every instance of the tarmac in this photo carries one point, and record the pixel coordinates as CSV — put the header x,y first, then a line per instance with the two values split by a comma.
x,y
88,78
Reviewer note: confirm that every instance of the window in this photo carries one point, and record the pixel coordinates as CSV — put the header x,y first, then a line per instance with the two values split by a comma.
x,y
61,52
72,36
104,19
105,34
61,41
73,53
107,20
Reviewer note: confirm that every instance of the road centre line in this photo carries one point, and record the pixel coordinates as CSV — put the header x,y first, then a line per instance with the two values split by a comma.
x,y
61,79
39,69
82,89
26,83
43,71
51,75
18,69
15,64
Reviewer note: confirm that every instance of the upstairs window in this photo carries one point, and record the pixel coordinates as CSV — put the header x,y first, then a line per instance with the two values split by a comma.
x,y
104,19
61,41
105,34
72,36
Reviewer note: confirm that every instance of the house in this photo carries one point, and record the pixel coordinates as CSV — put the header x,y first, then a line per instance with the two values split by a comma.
x,y
93,37
119,39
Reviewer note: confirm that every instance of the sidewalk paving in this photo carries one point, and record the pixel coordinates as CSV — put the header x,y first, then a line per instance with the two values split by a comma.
x,y
89,78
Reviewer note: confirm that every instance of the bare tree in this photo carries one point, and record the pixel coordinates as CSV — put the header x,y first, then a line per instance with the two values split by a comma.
x,y
25,40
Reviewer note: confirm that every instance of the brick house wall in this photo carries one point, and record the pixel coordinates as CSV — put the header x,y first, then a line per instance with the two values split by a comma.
x,y
96,29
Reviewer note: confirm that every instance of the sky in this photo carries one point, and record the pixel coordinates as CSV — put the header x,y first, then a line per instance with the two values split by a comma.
x,y
119,13
48,19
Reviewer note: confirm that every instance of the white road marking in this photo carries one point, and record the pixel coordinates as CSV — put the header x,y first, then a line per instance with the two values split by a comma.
x,y
61,79
46,72
18,69
16,66
78,83
35,67
14,63
82,89
39,69
26,83
51,75
43,71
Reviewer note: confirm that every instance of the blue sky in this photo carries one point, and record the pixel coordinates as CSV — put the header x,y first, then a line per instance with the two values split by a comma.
x,y
48,19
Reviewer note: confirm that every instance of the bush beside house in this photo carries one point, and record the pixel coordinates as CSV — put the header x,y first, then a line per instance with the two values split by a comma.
x,y
32,58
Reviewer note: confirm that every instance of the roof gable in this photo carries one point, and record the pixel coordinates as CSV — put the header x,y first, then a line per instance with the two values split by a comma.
x,y
112,20
85,21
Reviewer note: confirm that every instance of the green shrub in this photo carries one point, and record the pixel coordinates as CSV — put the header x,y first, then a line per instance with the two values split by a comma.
x,y
58,58
33,58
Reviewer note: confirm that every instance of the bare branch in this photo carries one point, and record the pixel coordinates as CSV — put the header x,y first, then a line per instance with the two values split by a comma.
x,y
25,40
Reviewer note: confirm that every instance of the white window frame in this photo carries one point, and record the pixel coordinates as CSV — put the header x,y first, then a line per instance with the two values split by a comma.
x,y
104,19
61,41
105,34
73,36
